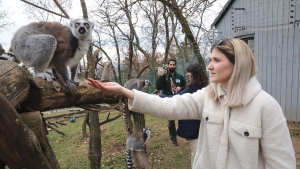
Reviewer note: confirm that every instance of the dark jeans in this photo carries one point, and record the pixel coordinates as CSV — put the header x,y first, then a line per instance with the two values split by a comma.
x,y
171,124
172,130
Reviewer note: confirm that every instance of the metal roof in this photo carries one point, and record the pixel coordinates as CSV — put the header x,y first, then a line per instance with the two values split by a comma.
x,y
222,13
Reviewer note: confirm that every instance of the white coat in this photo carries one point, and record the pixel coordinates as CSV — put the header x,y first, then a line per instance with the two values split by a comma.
x,y
252,136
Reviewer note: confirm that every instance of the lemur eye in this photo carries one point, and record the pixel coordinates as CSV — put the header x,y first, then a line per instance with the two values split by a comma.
x,y
77,24
87,25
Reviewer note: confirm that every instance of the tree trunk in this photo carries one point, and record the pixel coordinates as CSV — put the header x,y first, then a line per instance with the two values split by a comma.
x,y
19,146
2,164
14,82
139,121
2,51
95,141
84,123
35,122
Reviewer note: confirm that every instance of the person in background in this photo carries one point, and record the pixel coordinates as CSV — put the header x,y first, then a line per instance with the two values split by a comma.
x,y
189,129
170,84
242,126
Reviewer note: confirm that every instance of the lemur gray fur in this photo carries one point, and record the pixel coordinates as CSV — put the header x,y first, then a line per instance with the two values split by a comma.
x,y
137,140
44,45
137,84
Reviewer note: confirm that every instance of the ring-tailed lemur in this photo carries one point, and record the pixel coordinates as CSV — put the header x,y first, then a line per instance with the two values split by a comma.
x,y
132,139
137,84
43,45
136,142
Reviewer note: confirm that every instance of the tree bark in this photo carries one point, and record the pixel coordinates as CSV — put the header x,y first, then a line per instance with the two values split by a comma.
x,y
95,141
19,146
84,123
2,51
43,96
139,121
14,82
35,122
2,164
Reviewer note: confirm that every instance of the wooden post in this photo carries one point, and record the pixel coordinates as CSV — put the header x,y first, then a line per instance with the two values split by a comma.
x,y
19,146
35,122
14,82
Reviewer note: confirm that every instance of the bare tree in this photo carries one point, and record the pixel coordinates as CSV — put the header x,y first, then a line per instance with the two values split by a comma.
x,y
4,18
47,10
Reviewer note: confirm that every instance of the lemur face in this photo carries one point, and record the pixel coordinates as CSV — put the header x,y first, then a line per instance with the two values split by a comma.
x,y
147,83
81,28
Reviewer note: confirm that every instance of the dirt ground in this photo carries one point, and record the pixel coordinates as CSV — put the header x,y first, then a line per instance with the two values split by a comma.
x,y
295,135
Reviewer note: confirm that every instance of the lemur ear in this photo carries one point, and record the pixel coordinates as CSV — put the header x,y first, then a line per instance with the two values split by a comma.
x,y
92,24
71,21
135,85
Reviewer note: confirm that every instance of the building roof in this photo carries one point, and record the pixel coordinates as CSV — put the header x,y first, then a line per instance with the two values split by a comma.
x,y
222,13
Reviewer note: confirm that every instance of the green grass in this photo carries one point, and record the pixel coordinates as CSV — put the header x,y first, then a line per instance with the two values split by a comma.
x,y
71,150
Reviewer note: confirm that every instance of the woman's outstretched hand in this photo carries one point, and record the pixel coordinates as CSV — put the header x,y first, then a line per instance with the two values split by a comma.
x,y
111,87
105,86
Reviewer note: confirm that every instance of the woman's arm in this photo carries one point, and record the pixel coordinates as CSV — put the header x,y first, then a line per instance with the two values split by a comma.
x,y
111,87
178,107
276,141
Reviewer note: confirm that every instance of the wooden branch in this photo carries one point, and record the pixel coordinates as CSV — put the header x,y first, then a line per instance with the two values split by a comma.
x,y
61,8
61,123
110,119
14,82
98,107
44,9
60,132
139,74
43,96
50,123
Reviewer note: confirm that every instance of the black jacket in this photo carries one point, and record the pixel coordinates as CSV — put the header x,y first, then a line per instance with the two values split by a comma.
x,y
188,129
164,83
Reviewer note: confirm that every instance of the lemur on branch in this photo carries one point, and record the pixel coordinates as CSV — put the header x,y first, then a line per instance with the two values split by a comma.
x,y
44,45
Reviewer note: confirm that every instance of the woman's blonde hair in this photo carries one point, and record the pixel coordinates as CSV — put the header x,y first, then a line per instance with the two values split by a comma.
x,y
241,56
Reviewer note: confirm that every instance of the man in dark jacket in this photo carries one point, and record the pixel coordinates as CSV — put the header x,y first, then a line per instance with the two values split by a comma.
x,y
170,84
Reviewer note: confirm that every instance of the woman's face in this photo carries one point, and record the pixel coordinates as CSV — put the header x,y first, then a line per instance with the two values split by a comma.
x,y
189,75
220,68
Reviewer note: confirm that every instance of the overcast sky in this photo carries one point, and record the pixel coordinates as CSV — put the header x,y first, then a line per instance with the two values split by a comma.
x,y
16,7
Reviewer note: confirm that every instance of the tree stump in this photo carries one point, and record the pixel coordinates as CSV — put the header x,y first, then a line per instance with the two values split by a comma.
x,y
19,146
35,122
14,82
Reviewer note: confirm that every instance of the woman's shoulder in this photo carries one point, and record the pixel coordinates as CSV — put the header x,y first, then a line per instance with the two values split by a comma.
x,y
265,98
267,103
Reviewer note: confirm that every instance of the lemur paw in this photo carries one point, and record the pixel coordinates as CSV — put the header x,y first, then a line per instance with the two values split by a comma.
x,y
47,77
71,86
73,81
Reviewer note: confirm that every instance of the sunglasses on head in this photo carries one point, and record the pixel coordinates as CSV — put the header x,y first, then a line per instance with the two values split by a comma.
x,y
218,42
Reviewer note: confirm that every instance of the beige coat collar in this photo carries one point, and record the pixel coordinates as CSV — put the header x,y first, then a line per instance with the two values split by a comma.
x,y
252,88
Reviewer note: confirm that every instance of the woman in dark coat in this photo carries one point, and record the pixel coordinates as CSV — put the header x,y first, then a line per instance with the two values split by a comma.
x,y
189,129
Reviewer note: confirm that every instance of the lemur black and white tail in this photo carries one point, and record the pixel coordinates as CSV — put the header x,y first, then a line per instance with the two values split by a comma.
x,y
9,56
129,162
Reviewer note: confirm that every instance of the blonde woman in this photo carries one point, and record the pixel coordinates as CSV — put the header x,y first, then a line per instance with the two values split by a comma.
x,y
242,126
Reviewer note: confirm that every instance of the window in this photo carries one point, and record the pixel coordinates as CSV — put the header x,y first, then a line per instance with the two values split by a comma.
x,y
249,39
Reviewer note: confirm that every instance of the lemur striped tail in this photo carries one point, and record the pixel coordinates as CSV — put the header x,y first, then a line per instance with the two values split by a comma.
x,y
129,161
9,56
